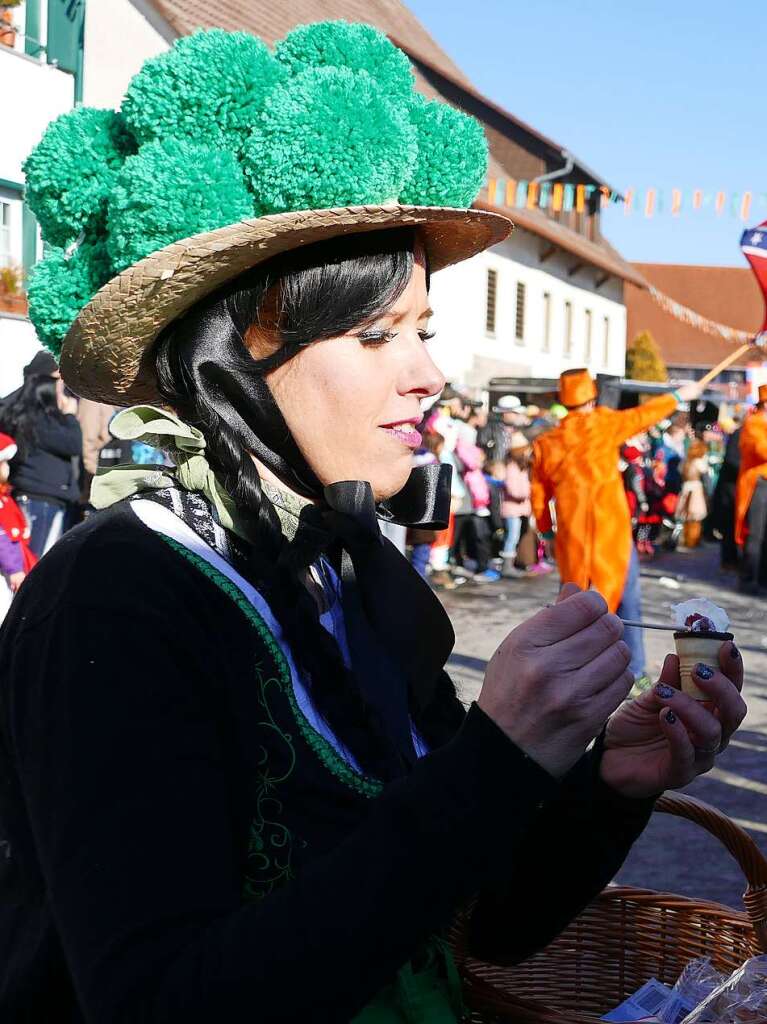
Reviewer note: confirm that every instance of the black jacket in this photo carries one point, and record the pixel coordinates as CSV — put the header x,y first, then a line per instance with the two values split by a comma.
x,y
185,848
51,469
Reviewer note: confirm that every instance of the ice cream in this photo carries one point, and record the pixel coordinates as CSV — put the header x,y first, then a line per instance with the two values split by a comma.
x,y
702,629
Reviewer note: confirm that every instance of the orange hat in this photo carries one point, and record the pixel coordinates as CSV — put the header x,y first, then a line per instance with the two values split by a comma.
x,y
576,387
763,393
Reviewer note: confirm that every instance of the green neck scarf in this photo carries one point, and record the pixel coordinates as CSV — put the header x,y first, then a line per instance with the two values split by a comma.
x,y
185,444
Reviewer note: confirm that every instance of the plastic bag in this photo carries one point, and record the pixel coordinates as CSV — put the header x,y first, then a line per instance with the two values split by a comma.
x,y
741,999
695,983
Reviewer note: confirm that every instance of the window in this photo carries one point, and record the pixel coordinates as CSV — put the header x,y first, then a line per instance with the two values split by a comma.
x,y
5,234
546,346
587,353
568,329
519,324
492,284
606,342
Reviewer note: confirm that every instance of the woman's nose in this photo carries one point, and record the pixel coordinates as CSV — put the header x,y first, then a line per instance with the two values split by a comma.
x,y
423,376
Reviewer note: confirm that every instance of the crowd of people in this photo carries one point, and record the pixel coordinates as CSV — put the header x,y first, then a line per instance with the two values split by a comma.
x,y
491,532
679,481
671,475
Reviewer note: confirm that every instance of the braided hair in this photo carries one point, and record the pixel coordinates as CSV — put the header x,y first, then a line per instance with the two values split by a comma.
x,y
316,292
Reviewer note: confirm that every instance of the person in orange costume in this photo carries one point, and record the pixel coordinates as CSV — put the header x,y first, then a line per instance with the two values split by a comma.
x,y
751,493
576,465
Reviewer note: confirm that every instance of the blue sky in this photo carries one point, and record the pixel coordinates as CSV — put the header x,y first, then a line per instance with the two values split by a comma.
x,y
665,95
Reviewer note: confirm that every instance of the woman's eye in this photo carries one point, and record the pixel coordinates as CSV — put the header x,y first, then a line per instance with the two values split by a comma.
x,y
426,335
377,337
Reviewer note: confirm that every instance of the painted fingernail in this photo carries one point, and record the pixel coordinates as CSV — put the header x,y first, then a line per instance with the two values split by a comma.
x,y
704,672
665,692
734,653
670,717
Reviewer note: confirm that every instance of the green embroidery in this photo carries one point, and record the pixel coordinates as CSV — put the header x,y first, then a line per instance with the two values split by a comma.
x,y
322,748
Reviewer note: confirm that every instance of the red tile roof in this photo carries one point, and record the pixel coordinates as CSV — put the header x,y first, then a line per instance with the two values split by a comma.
x,y
274,19
727,295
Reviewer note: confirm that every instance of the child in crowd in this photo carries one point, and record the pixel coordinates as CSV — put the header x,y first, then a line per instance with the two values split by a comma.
x,y
693,506
16,558
473,459
516,504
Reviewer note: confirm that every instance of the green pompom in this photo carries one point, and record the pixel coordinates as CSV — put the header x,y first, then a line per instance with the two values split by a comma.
x,y
72,170
171,190
452,157
329,137
342,44
60,287
209,88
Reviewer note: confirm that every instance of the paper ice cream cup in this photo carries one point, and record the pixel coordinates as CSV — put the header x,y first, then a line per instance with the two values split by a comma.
x,y
694,649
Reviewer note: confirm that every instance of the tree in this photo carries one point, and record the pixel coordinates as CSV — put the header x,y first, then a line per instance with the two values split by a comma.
x,y
643,359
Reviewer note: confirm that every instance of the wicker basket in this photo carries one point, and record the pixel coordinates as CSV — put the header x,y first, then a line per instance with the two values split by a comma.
x,y
623,938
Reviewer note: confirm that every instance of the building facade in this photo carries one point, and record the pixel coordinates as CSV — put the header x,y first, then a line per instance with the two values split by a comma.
x,y
549,297
37,89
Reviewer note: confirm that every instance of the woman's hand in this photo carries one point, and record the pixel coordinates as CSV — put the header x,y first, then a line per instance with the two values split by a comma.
x,y
664,738
556,679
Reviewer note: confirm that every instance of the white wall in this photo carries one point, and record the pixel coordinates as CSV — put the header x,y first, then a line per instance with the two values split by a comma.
x,y
18,343
466,353
119,37
34,94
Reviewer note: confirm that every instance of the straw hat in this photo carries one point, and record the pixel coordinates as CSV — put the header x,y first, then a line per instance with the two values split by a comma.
x,y
225,154
576,387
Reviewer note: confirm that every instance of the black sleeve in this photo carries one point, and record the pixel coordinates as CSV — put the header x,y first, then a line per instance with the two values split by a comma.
x,y
122,773
577,845
59,435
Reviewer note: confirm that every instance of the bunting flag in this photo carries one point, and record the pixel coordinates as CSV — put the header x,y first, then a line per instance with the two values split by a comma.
x,y
565,196
753,245
702,323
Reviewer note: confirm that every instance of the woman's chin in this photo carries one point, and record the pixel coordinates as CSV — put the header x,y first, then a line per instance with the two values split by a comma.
x,y
386,485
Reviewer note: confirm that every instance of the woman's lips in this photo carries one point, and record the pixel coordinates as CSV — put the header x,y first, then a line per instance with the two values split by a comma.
x,y
405,433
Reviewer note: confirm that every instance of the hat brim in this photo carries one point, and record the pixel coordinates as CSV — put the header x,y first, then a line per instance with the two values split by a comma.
x,y
106,356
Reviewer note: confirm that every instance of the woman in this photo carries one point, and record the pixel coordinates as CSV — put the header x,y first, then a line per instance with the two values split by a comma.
x,y
46,472
238,786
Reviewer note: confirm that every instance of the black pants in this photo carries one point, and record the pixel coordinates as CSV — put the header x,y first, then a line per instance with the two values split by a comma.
x,y
463,538
482,536
727,525
753,565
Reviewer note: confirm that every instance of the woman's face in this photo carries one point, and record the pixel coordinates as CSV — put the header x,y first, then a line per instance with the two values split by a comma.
x,y
353,403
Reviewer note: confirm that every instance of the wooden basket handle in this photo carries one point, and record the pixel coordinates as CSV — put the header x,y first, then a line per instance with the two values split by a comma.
x,y
738,842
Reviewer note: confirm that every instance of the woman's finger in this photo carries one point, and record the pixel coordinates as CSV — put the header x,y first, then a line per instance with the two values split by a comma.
x,y
601,670
704,727
681,750
582,648
567,590
612,696
569,616
728,704
731,664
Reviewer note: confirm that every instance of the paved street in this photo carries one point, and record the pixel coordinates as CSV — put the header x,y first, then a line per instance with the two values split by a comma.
x,y
672,855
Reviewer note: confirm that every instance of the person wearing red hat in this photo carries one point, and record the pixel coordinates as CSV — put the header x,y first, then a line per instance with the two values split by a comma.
x,y
16,557
751,493
576,466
